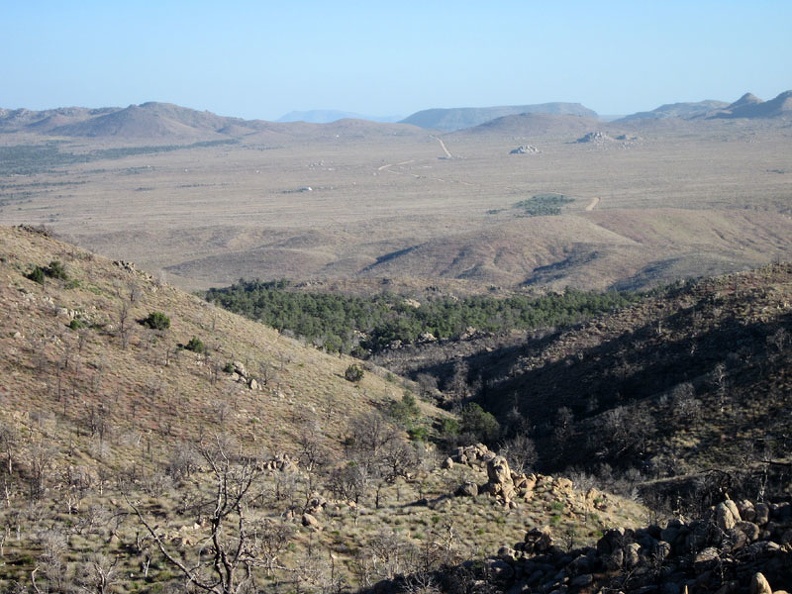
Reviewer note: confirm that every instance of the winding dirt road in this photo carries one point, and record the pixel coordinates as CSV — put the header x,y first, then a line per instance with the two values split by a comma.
x,y
593,204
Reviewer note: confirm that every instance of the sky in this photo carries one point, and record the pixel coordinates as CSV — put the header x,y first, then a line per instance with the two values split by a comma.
x,y
263,59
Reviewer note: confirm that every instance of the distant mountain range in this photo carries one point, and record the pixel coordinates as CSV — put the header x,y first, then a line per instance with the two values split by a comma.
x,y
747,106
327,116
165,122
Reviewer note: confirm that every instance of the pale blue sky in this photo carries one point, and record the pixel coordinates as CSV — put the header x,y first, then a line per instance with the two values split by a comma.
x,y
263,59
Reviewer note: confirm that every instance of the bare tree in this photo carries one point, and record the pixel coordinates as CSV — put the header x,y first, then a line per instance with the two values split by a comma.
x,y
521,452
123,324
271,537
228,553
379,454
8,441
99,573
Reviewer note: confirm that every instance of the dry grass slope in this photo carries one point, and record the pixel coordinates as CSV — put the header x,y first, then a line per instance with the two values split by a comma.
x,y
99,413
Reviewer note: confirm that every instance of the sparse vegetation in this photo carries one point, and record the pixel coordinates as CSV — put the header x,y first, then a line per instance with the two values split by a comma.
x,y
128,464
543,205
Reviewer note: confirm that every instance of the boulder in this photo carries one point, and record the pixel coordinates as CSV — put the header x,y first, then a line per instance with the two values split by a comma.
x,y
613,540
498,471
750,530
632,556
759,585
310,521
747,511
467,489
500,479
537,540
725,516
762,514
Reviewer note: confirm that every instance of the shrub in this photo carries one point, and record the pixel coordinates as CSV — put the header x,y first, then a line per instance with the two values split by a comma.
x,y
36,275
77,324
354,373
406,411
449,428
156,320
419,433
479,423
195,345
56,270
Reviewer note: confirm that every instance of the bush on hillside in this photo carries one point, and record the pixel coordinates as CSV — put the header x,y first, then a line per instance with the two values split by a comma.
x,y
354,373
36,275
196,345
55,270
156,320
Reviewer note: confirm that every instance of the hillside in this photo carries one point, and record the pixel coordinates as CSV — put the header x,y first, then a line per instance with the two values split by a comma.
x,y
120,434
750,106
683,110
448,120
82,336
689,386
535,124
152,121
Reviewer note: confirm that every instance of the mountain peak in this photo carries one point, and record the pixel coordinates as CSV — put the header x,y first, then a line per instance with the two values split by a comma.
x,y
750,106
747,99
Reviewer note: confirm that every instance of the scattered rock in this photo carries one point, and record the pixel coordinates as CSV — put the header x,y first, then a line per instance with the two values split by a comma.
x,y
595,137
525,149
682,557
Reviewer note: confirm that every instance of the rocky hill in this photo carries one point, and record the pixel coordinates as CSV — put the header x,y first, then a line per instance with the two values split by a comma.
x,y
150,122
533,125
684,395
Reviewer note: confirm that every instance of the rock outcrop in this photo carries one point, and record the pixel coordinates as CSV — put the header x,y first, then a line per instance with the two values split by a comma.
x,y
737,548
241,375
510,488
525,149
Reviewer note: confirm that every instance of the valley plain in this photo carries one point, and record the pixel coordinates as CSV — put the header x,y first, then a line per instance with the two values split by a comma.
x,y
652,201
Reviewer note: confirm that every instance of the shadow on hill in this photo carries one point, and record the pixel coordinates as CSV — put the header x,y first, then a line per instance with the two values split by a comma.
x,y
692,374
